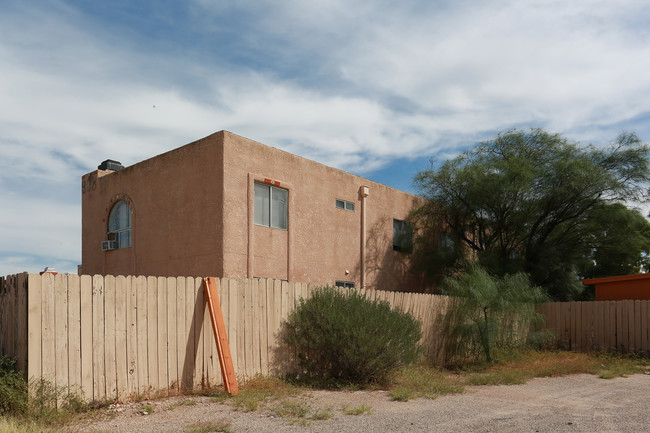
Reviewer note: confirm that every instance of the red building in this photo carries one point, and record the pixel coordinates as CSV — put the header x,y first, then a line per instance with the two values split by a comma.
x,y
622,287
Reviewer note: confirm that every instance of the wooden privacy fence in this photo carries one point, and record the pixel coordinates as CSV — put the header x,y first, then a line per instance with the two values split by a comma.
x,y
120,337
13,318
600,326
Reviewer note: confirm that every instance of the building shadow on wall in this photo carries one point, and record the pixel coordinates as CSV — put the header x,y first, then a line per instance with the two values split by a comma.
x,y
283,360
387,269
189,364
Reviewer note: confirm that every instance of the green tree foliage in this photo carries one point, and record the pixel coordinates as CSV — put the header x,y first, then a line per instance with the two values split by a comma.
x,y
343,337
488,313
13,389
532,201
617,241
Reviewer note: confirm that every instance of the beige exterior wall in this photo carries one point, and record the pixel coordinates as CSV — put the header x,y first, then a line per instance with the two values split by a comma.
x,y
175,200
193,212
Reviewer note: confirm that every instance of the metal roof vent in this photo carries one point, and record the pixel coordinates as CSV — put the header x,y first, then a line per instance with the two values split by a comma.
x,y
109,164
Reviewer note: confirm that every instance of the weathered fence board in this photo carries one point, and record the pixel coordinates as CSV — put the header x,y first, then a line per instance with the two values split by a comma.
x,y
600,326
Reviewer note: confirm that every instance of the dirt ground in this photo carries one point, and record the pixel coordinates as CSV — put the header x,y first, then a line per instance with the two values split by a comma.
x,y
579,403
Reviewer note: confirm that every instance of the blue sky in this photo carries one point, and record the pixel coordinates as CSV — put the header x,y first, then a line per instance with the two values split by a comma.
x,y
376,88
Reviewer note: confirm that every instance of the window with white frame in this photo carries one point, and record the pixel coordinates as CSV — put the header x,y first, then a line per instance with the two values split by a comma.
x,y
119,224
271,206
402,236
344,204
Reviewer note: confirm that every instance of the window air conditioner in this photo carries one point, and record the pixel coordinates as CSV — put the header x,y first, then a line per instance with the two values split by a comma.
x,y
109,245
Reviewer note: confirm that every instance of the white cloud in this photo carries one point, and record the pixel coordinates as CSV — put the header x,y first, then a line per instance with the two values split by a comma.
x,y
38,232
353,86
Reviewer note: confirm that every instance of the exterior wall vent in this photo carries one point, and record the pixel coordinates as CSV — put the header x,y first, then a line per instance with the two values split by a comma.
x,y
110,164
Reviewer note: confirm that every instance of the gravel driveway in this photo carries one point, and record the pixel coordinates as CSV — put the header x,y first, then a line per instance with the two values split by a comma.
x,y
579,403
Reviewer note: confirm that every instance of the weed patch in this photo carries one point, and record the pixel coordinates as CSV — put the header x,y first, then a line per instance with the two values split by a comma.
x,y
323,414
256,392
292,409
362,409
187,402
146,410
520,366
420,381
209,427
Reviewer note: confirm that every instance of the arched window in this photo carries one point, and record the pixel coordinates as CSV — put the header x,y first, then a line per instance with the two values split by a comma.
x,y
119,224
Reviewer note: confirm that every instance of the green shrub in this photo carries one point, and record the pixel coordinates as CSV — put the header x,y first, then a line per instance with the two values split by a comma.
x,y
13,389
345,338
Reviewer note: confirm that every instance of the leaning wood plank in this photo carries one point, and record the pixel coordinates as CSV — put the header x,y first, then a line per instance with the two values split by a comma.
x,y
34,328
221,339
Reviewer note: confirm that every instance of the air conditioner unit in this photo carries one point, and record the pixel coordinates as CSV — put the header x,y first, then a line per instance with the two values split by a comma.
x,y
109,245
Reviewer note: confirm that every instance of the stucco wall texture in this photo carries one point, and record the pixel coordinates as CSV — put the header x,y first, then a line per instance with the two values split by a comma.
x,y
193,215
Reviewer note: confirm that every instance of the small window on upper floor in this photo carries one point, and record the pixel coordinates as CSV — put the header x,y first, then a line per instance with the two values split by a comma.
x,y
119,225
343,204
445,242
345,284
271,206
402,236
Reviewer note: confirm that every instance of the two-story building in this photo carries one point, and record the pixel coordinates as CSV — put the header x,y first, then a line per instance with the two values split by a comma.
x,y
227,206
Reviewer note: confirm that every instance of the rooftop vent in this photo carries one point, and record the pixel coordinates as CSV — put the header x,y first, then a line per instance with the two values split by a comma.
x,y
109,164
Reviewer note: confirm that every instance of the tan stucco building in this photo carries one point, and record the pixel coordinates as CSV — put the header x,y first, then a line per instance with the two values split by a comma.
x,y
227,206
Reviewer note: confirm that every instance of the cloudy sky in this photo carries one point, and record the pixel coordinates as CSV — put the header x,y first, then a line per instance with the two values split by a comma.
x,y
376,88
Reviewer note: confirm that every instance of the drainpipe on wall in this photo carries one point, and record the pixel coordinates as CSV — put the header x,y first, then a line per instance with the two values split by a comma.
x,y
363,193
